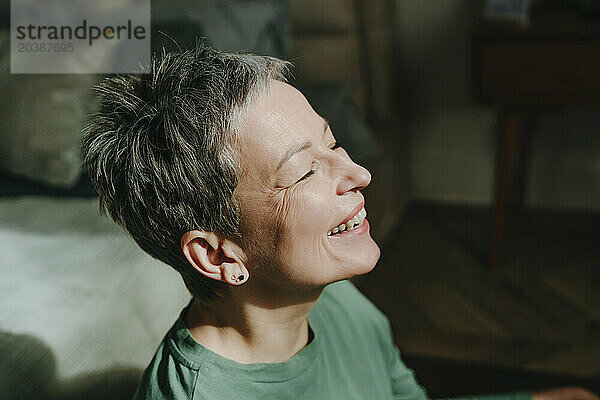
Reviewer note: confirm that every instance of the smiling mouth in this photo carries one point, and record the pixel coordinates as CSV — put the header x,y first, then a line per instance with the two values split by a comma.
x,y
351,224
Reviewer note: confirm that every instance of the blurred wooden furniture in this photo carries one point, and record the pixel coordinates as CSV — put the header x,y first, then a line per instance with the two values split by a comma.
x,y
555,62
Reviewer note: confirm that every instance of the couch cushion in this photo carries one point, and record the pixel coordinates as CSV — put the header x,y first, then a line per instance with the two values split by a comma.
x,y
318,16
79,295
260,26
330,58
41,123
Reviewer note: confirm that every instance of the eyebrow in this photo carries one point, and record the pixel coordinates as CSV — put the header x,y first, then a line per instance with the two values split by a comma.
x,y
288,154
296,149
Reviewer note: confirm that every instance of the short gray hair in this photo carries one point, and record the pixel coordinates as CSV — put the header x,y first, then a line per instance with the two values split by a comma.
x,y
159,150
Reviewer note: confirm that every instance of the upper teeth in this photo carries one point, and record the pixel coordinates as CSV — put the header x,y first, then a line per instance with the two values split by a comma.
x,y
352,223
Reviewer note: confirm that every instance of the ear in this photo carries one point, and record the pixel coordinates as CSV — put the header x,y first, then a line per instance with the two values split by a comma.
x,y
215,256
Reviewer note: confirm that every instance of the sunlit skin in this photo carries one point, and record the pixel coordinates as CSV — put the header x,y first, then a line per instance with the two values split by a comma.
x,y
292,209
287,207
286,256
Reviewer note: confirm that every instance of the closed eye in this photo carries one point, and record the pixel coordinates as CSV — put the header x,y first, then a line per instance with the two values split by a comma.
x,y
336,145
309,173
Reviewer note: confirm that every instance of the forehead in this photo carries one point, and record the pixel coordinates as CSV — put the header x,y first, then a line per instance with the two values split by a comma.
x,y
276,120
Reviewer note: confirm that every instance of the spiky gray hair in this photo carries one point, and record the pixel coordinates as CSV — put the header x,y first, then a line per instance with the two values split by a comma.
x,y
160,149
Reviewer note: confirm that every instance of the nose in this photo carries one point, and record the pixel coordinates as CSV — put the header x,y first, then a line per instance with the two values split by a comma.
x,y
354,177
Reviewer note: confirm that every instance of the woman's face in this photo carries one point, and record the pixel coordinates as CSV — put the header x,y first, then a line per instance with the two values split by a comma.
x,y
297,187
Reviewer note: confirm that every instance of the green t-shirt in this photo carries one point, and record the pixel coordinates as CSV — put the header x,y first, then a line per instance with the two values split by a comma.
x,y
352,356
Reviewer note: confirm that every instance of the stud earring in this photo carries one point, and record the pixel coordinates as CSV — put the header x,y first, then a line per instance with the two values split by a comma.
x,y
239,278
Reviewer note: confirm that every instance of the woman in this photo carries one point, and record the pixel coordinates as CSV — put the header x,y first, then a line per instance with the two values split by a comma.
x,y
222,170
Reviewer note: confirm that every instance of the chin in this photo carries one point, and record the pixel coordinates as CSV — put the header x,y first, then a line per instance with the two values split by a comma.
x,y
364,263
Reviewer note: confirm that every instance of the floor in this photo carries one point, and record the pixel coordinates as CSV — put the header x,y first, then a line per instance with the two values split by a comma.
x,y
540,313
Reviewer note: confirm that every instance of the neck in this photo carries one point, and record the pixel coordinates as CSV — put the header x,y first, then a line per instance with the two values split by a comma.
x,y
248,328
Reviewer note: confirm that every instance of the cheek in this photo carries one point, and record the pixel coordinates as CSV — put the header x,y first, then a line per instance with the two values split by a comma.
x,y
302,222
302,217
304,213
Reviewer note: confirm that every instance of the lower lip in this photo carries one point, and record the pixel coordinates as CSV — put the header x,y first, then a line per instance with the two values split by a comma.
x,y
354,232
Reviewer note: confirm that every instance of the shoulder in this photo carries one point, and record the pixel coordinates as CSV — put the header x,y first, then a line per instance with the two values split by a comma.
x,y
169,375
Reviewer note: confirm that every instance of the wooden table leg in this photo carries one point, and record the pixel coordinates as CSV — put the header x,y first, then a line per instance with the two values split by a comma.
x,y
524,159
503,168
